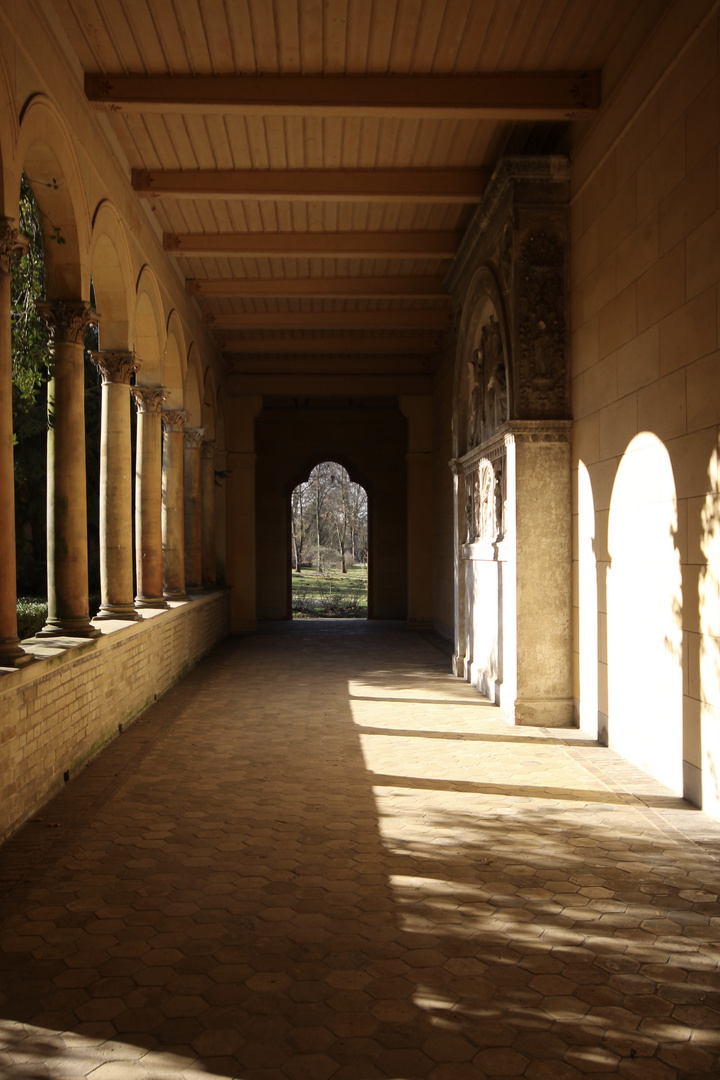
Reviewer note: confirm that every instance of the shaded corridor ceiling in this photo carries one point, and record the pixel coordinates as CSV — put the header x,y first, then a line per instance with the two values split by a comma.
x,y
312,165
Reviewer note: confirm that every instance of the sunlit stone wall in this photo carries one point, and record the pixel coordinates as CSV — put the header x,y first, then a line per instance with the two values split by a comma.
x,y
58,713
645,268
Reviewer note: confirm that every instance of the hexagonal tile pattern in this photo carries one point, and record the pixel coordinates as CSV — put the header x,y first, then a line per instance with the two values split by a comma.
x,y
321,857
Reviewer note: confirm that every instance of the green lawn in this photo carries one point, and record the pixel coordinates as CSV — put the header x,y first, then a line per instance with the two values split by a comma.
x,y
330,595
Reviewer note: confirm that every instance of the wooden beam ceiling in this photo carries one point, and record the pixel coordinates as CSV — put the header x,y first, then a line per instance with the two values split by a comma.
x,y
496,96
395,288
330,185
397,318
421,244
358,344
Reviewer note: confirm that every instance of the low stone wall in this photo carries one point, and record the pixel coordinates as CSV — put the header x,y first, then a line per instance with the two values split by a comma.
x,y
58,713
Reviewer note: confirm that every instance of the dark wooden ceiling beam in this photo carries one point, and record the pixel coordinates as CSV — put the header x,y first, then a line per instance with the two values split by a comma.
x,y
404,244
330,385
358,344
330,320
521,96
395,288
334,185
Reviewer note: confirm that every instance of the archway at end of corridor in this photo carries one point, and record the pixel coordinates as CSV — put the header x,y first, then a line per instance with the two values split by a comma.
x,y
329,545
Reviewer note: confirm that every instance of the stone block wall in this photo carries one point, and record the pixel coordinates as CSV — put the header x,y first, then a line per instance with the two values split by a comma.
x,y
645,273
58,713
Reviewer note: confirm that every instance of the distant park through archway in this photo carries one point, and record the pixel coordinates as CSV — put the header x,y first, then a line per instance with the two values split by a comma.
x,y
329,538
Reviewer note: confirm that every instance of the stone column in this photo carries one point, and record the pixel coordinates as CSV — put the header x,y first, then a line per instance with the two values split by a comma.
x,y
148,497
459,599
11,654
68,611
193,507
116,556
209,572
173,527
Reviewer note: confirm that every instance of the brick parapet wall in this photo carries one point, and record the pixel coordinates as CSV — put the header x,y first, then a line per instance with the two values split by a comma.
x,y
58,713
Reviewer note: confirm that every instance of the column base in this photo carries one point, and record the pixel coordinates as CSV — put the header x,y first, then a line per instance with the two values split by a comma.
x,y
122,612
157,602
458,666
176,596
544,712
12,655
69,627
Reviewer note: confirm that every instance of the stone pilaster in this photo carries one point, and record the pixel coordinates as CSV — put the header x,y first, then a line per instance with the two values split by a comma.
x,y
173,525
68,610
116,560
148,497
209,570
193,507
11,654
511,441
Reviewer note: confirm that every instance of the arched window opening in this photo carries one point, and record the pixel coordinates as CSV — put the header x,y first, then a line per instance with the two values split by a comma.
x,y
31,361
329,545
30,368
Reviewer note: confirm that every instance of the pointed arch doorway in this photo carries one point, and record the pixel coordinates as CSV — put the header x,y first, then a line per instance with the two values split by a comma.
x,y
329,536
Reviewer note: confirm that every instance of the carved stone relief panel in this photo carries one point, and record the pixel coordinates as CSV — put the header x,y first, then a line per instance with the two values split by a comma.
x,y
488,407
485,503
542,365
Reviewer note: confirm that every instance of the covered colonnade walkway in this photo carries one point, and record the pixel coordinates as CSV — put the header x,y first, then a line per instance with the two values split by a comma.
x,y
322,856
470,250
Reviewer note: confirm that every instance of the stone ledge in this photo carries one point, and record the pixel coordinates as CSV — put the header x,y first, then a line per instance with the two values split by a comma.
x,y
59,712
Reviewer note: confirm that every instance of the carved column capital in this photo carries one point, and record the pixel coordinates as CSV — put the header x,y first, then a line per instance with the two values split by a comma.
x,y
115,366
149,398
174,420
194,438
208,448
12,242
67,319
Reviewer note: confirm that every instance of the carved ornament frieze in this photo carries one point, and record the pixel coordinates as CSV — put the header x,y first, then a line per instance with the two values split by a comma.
x,y
485,502
488,406
174,420
67,320
542,361
115,366
149,399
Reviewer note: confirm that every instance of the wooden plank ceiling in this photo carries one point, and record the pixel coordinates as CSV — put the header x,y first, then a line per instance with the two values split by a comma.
x,y
313,163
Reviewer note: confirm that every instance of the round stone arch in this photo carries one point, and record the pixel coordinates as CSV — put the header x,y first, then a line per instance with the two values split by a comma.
x,y
175,366
45,153
193,383
111,274
9,133
482,306
149,330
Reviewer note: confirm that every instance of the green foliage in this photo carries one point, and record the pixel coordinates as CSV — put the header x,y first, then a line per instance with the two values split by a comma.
x,y
31,358
31,615
30,366
30,335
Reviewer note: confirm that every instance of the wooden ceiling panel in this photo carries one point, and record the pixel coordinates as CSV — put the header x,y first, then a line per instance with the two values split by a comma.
x,y
144,30
272,149
536,43
170,34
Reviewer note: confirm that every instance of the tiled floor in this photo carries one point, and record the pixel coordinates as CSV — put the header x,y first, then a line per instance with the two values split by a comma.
x,y
320,856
